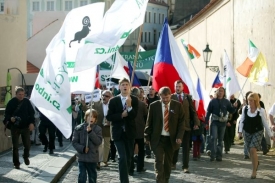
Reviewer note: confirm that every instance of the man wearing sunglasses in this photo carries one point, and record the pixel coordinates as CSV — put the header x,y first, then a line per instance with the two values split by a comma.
x,y
102,109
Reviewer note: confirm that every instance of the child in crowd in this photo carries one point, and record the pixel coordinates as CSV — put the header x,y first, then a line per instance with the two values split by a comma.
x,y
86,139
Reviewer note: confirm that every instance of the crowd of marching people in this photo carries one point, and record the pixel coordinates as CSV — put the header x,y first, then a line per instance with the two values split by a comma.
x,y
136,126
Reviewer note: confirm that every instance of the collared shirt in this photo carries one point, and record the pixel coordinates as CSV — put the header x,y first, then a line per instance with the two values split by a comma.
x,y
180,95
250,114
163,132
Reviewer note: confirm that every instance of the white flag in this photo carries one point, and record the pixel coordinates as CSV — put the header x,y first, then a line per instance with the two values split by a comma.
x,y
120,21
52,94
232,85
79,22
53,97
119,71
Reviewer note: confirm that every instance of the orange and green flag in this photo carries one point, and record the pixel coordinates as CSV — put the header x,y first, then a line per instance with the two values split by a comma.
x,y
191,51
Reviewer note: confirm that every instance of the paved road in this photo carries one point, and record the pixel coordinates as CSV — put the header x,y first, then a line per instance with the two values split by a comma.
x,y
233,168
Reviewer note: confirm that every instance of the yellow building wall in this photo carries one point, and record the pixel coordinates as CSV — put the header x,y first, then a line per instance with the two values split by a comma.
x,y
13,31
228,25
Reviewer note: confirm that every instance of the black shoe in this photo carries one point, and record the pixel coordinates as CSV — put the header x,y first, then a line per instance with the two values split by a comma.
x,y
60,144
131,173
45,149
17,166
141,171
32,142
246,157
148,156
26,161
51,151
212,159
218,159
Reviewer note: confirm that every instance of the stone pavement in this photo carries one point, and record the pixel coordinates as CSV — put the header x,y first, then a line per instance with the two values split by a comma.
x,y
233,168
43,167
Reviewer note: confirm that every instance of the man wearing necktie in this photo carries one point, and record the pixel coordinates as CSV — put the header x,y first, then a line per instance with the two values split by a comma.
x,y
191,119
164,131
122,112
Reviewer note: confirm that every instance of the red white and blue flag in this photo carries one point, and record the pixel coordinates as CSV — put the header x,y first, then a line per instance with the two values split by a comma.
x,y
217,82
169,64
203,102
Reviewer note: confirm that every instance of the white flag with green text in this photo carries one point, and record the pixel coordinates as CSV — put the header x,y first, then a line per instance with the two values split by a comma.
x,y
119,22
52,90
232,85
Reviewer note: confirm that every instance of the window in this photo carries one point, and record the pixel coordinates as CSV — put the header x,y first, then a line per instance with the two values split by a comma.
x,y
145,18
149,37
1,7
159,19
50,6
162,18
68,5
145,37
141,39
149,17
35,6
154,18
83,3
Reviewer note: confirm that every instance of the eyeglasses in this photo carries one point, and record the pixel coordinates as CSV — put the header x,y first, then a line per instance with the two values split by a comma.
x,y
106,96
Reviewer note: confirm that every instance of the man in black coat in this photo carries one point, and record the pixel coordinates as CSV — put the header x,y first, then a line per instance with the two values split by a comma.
x,y
122,113
19,117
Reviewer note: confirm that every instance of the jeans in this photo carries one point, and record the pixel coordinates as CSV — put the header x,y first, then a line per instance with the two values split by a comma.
x,y
217,130
25,136
84,168
125,149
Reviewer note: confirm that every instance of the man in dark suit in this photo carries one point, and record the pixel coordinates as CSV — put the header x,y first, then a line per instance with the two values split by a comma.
x,y
164,131
191,120
122,113
102,108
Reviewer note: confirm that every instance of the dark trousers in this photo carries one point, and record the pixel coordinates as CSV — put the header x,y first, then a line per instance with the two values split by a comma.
x,y
264,145
140,159
85,168
185,150
25,136
233,132
196,148
163,159
125,149
113,150
227,138
43,127
59,135
147,149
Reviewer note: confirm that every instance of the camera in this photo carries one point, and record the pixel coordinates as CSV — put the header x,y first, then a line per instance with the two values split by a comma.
x,y
17,120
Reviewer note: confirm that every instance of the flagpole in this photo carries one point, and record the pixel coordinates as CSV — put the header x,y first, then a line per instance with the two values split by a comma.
x,y
193,67
242,89
136,55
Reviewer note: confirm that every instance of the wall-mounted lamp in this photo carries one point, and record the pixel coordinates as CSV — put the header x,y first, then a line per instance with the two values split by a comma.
x,y
207,52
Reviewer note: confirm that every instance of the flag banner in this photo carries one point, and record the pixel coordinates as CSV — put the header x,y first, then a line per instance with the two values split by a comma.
x,y
118,23
135,80
217,82
259,71
245,68
169,64
190,50
232,85
78,25
203,102
253,51
120,69
52,93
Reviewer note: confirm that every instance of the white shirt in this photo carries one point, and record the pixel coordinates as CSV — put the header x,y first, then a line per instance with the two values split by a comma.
x,y
163,132
250,114
272,110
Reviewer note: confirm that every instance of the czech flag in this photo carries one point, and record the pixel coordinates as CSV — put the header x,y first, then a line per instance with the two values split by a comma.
x,y
217,82
169,64
203,102
135,80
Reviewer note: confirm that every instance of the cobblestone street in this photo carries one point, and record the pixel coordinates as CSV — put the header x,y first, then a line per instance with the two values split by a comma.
x,y
233,168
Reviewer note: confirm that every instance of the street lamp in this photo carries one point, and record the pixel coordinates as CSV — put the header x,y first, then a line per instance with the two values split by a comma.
x,y
207,52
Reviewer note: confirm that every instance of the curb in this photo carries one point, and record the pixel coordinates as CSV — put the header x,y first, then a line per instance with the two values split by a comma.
x,y
63,169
